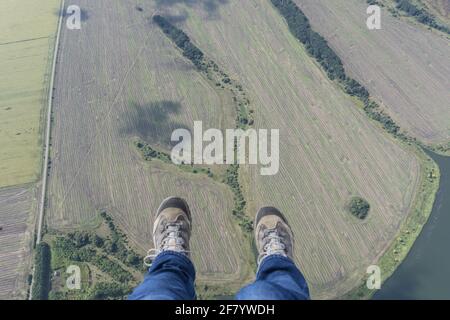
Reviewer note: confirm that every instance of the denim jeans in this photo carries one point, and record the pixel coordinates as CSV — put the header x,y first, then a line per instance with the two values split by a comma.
x,y
172,276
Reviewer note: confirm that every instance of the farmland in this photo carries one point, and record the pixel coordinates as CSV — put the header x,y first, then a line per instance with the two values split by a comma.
x,y
440,8
389,63
127,81
26,44
430,13
16,241
122,83
329,149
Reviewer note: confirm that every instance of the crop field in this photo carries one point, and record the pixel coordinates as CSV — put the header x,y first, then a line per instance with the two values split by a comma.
x,y
16,240
441,8
26,41
119,78
329,150
397,64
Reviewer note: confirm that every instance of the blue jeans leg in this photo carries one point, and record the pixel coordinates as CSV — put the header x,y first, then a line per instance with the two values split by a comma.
x,y
171,277
277,279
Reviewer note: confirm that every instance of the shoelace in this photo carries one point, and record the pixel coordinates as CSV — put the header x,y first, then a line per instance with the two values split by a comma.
x,y
273,245
170,240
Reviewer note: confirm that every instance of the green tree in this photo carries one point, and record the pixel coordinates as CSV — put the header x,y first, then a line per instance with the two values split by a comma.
x,y
41,283
359,207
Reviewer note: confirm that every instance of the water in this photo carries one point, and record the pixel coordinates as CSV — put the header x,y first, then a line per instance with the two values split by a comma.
x,y
425,273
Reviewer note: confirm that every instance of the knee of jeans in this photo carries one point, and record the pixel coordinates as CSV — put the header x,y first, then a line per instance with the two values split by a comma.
x,y
257,291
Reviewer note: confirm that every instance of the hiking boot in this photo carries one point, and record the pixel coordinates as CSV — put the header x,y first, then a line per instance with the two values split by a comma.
x,y
273,235
171,229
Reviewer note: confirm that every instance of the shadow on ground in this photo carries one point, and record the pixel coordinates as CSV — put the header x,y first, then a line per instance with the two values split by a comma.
x,y
153,122
84,14
209,6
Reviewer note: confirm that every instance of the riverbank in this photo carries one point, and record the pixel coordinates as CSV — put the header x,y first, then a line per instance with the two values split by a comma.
x,y
410,229
424,272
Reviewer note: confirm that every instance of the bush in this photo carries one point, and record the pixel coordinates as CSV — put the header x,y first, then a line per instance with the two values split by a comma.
x,y
80,238
359,207
67,249
133,260
232,180
112,268
98,241
104,290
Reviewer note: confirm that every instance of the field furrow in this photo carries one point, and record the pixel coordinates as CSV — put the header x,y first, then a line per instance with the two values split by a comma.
x,y
329,150
403,65
127,80
16,231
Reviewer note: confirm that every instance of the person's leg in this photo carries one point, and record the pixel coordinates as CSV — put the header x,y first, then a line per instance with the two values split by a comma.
x,y
171,277
277,277
172,274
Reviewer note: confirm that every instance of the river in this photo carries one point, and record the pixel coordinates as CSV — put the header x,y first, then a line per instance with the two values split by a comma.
x,y
425,272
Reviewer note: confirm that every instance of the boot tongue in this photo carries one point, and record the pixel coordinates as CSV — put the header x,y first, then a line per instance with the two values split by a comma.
x,y
171,243
275,245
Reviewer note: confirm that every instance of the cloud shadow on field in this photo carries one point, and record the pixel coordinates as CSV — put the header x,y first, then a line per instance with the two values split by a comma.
x,y
179,18
152,122
209,6
84,14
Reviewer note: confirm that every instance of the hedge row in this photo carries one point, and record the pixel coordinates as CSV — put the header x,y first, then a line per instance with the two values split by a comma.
x,y
41,282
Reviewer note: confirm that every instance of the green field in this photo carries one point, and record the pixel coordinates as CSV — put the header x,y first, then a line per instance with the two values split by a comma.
x,y
27,31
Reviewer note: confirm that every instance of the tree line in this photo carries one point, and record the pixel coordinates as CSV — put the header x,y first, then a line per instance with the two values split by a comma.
x,y
318,47
181,39
420,15
196,56
41,281
232,180
315,44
